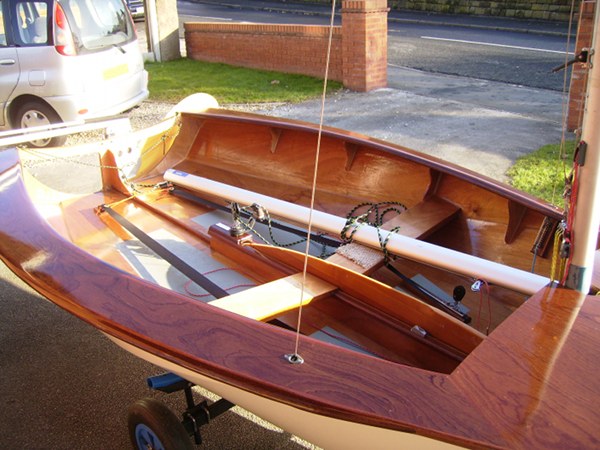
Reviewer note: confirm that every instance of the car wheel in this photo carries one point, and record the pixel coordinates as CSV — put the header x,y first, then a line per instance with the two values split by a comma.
x,y
34,114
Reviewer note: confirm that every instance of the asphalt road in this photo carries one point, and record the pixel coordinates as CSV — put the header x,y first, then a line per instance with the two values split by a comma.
x,y
510,51
475,54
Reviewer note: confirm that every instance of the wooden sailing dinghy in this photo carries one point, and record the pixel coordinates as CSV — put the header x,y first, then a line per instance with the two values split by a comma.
x,y
435,326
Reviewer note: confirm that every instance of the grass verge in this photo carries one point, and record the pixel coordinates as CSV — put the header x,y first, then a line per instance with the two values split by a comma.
x,y
542,172
174,80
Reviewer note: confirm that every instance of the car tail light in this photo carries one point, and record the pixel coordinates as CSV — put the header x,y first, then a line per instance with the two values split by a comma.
x,y
63,37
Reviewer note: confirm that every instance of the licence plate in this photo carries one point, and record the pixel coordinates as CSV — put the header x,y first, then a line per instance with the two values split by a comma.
x,y
116,71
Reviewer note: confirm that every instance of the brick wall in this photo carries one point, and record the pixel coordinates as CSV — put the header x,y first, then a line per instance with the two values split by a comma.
x,y
580,70
285,48
358,53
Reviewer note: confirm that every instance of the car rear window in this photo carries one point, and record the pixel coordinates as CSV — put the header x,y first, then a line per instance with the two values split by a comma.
x,y
98,24
31,22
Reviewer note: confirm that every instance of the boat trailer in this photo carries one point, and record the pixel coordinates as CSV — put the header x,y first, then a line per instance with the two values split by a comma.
x,y
152,425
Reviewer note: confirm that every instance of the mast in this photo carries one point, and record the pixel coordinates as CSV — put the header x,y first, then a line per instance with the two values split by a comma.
x,y
586,220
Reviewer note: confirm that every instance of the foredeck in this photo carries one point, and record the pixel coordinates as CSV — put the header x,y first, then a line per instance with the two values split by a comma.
x,y
536,378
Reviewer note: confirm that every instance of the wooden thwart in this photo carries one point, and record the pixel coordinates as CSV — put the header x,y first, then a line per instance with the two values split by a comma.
x,y
417,222
424,218
271,299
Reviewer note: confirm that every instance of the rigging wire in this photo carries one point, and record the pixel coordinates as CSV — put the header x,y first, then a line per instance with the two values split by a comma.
x,y
569,238
565,103
558,270
584,81
483,297
295,358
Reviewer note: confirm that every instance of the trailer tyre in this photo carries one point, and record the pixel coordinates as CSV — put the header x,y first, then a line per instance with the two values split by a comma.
x,y
154,426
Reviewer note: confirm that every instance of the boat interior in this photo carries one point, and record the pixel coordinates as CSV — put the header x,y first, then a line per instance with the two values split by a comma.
x,y
249,260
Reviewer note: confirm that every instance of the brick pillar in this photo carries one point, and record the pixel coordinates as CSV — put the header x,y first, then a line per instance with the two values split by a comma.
x,y
364,44
579,74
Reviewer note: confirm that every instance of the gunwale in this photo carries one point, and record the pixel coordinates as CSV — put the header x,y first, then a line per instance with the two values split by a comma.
x,y
406,153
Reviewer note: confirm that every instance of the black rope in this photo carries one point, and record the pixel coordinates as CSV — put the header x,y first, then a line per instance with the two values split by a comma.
x,y
265,218
378,210
373,216
245,213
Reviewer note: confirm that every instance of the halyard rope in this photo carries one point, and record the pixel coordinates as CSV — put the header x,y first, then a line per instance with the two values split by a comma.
x,y
295,358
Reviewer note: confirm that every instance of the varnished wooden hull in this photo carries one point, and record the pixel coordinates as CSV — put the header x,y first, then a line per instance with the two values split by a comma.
x,y
530,384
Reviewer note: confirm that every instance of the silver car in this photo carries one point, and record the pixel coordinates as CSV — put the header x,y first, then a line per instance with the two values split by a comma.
x,y
67,60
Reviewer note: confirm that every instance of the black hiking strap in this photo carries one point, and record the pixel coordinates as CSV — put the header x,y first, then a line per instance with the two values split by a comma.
x,y
167,255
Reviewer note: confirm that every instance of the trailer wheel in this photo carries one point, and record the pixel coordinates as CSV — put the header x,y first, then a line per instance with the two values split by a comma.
x,y
153,426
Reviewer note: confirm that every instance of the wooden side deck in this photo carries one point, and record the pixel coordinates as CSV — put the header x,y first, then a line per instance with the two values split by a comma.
x,y
536,378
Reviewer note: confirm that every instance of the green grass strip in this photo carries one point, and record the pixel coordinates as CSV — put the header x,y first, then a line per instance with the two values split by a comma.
x,y
174,80
542,173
